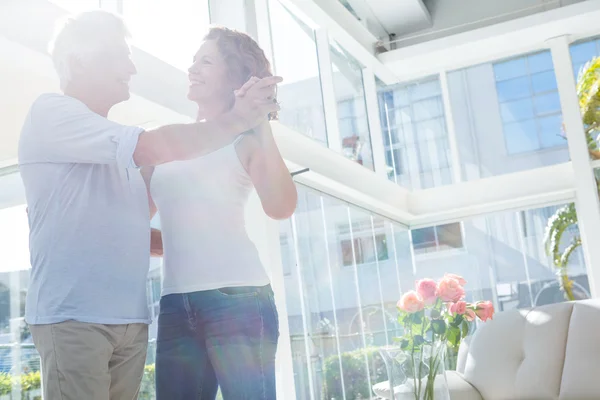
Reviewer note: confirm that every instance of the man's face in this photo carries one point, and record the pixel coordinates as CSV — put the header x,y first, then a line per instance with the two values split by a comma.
x,y
107,73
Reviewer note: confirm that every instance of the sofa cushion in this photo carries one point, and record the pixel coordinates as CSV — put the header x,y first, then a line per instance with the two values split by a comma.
x,y
459,388
520,354
463,352
581,375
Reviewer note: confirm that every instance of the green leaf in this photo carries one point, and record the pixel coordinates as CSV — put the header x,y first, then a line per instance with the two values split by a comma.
x,y
406,319
438,326
419,340
557,225
465,328
435,314
417,318
454,336
457,321
405,344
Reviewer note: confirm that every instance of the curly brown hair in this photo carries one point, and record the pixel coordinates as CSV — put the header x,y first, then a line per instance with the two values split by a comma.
x,y
242,55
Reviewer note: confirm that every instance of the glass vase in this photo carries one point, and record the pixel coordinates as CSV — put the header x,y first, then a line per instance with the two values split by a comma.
x,y
426,372
419,374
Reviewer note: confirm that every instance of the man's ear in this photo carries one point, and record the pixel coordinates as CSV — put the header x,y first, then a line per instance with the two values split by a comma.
x,y
76,67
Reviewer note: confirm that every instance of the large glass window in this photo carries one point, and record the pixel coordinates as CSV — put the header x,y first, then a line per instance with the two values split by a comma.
x,y
341,300
19,360
415,135
582,52
295,59
170,30
507,116
352,112
287,255
77,6
529,103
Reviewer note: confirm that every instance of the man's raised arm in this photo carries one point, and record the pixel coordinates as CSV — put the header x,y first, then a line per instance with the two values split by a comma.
x,y
187,141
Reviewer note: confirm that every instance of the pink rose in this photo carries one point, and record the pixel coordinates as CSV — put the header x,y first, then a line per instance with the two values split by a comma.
x,y
484,310
461,281
427,289
470,315
411,302
450,290
460,307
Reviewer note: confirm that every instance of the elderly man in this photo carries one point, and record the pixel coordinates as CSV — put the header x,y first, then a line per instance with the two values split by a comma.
x,y
88,209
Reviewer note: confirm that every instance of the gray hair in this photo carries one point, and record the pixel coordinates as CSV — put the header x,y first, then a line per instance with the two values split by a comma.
x,y
79,37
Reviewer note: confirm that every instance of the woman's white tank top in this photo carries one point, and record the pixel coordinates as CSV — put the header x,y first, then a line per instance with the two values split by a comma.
x,y
201,203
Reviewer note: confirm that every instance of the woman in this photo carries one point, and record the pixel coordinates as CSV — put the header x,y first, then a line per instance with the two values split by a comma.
x,y
218,324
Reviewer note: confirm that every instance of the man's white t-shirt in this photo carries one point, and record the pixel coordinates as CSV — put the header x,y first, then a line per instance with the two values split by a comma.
x,y
88,216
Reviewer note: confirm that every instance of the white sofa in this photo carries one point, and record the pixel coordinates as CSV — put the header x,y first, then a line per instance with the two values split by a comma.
x,y
549,352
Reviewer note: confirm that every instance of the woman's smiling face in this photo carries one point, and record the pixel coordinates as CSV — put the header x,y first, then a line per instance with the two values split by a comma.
x,y
208,75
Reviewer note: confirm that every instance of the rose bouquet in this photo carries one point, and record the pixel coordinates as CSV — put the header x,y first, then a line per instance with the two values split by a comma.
x,y
435,316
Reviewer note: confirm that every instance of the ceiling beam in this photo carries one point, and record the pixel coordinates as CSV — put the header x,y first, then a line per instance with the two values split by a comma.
x,y
535,188
339,177
332,173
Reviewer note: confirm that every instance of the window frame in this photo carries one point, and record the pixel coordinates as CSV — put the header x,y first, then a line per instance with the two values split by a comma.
x,y
371,233
391,147
439,252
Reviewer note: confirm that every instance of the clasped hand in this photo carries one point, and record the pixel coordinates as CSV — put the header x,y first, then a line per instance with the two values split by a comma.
x,y
255,100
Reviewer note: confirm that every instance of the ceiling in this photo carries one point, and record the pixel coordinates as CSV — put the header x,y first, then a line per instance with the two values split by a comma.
x,y
385,17
406,22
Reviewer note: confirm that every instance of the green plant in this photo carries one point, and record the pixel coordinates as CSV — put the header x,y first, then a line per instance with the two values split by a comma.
x,y
588,93
147,388
29,382
5,383
356,384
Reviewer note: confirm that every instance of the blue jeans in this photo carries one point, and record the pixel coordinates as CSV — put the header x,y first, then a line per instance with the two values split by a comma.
x,y
223,338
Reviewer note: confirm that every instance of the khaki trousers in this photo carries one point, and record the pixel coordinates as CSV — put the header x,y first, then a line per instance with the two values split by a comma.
x,y
82,361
